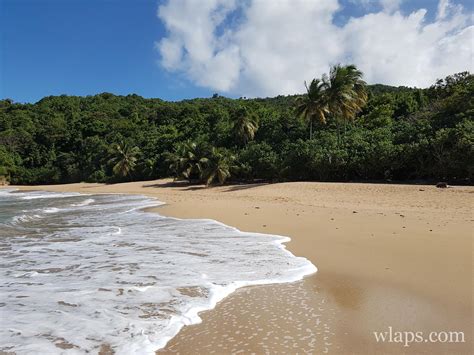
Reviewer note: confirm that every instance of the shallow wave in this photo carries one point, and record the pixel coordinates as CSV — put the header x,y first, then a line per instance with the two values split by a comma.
x,y
35,196
51,210
32,215
83,203
25,218
106,272
7,191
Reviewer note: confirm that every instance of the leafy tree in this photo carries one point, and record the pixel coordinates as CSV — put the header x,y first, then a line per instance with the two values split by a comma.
x,y
124,158
245,125
260,161
400,133
188,160
346,92
313,106
218,166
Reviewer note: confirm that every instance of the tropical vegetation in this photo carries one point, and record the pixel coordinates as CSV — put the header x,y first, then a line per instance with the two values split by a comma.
x,y
340,130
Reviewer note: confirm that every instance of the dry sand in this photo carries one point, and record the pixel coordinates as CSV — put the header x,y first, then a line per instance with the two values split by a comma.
x,y
395,256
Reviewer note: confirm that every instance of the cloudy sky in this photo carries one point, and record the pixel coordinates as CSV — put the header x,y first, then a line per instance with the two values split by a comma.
x,y
186,48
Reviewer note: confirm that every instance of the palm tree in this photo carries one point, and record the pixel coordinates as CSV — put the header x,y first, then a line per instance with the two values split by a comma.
x,y
245,125
187,160
123,158
346,92
313,105
218,166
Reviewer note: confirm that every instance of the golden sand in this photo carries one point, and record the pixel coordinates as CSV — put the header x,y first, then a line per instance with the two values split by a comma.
x,y
395,256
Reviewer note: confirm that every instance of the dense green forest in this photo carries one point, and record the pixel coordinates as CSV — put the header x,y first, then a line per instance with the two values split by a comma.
x,y
335,132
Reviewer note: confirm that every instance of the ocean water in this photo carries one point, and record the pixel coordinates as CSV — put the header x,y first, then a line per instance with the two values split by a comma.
x,y
80,271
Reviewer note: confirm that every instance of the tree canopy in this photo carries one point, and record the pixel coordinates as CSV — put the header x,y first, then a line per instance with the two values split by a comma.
x,y
391,133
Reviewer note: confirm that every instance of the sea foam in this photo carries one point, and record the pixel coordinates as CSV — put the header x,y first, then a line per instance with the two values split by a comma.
x,y
100,270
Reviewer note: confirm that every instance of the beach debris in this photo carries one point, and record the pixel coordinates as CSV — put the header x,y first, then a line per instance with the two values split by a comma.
x,y
257,207
402,215
354,211
442,185
421,190
264,225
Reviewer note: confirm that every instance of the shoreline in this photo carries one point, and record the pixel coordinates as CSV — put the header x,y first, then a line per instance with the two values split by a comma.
x,y
388,255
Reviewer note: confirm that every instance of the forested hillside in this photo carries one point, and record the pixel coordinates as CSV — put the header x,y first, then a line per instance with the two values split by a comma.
x,y
398,134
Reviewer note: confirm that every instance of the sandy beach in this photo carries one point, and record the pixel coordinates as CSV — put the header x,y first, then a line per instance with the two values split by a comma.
x,y
388,256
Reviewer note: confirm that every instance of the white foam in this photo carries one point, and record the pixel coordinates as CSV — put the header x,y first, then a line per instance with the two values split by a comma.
x,y
51,210
106,272
27,274
25,218
6,191
83,203
40,195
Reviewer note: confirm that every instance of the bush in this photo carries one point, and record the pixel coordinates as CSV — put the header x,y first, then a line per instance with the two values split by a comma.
x,y
261,161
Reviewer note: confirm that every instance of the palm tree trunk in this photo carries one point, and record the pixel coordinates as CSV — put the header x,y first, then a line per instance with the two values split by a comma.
x,y
310,129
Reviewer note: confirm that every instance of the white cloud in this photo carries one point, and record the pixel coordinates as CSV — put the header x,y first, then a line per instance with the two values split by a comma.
x,y
391,5
405,50
442,9
192,46
276,45
284,41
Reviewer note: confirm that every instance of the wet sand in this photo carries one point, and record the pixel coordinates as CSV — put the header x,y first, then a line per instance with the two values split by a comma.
x,y
395,256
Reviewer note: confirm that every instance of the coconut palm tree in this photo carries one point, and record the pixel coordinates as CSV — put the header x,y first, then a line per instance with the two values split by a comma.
x,y
245,125
218,166
346,92
124,158
187,161
313,105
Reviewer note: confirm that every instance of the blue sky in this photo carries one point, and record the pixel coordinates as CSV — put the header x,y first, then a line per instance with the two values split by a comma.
x,y
85,47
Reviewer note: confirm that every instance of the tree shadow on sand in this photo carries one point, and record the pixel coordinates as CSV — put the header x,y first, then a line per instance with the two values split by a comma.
x,y
191,186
